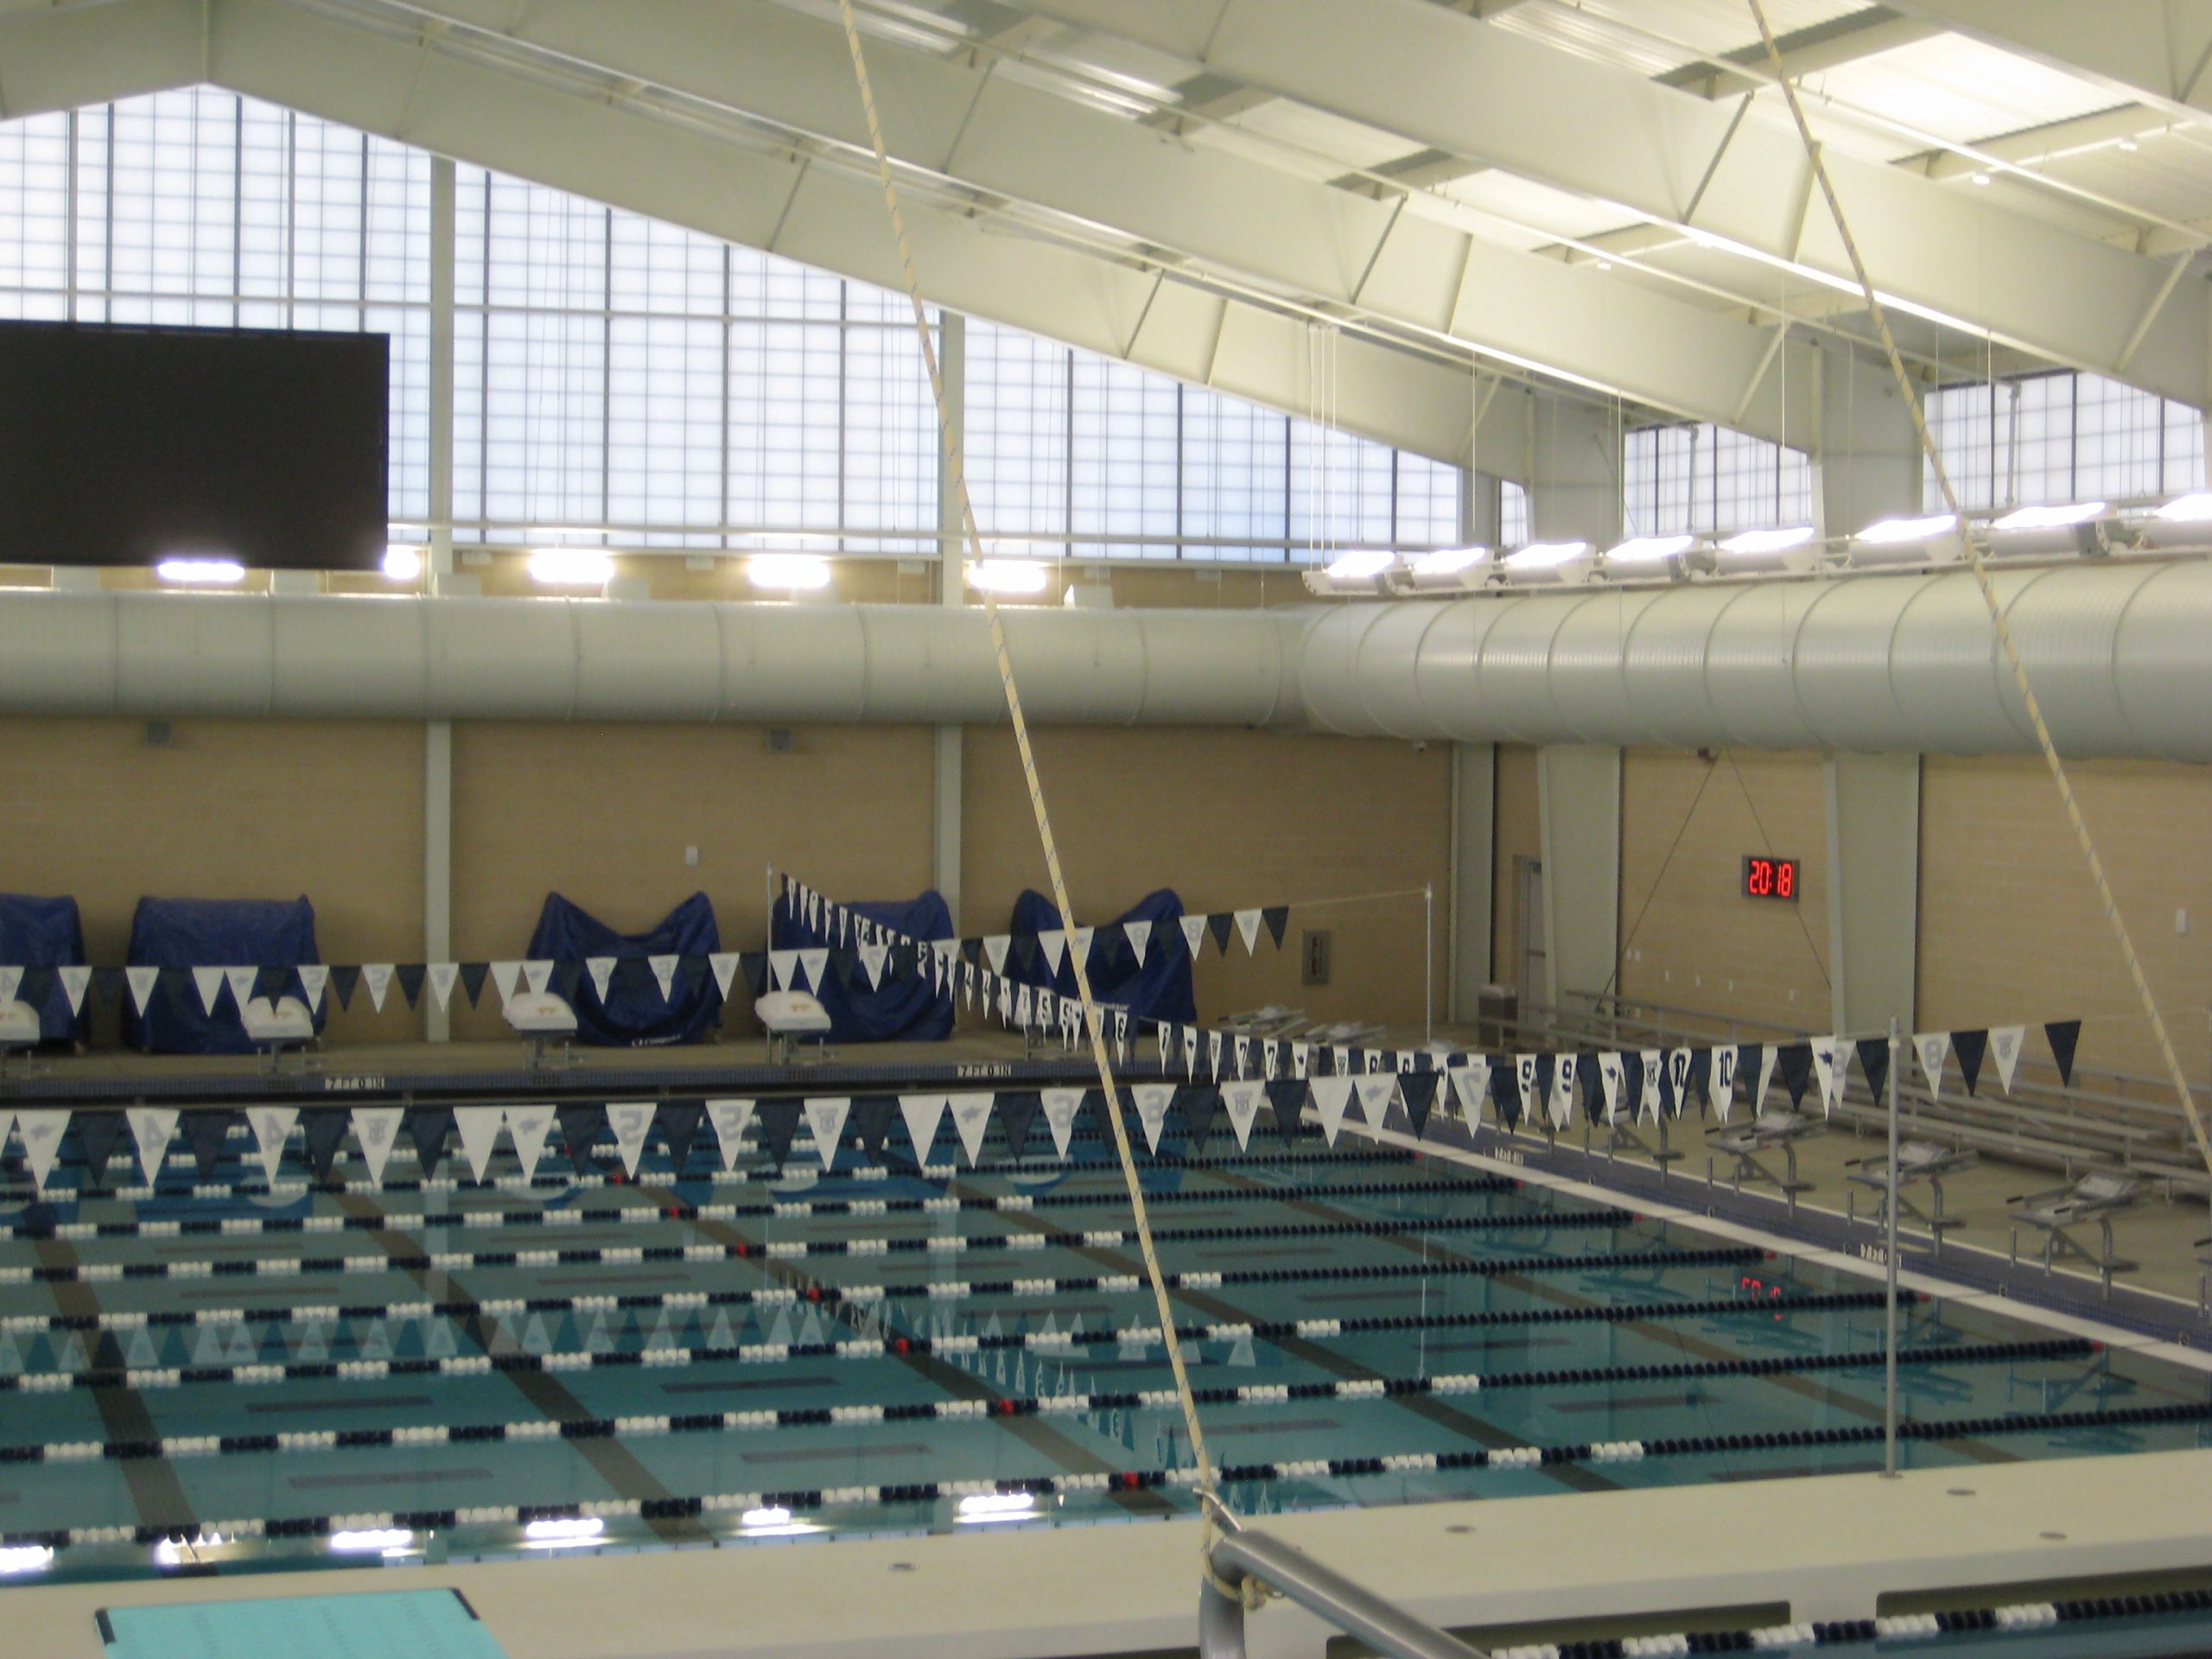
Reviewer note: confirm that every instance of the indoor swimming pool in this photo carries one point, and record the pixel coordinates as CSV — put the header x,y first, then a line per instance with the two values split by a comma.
x,y
222,1376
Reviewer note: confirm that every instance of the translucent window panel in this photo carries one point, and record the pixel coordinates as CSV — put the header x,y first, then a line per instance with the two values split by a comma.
x,y
664,422
1512,514
1127,453
1746,481
35,209
891,441
761,285
1016,445
2038,465
543,250
1970,424
545,418
2182,468
467,423
2120,439
1235,479
172,201
1428,502
397,188
1340,491
664,269
329,212
409,436
785,423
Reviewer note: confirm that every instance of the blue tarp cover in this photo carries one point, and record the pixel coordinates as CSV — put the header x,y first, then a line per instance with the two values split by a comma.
x,y
1160,989
44,933
634,1015
186,933
908,1010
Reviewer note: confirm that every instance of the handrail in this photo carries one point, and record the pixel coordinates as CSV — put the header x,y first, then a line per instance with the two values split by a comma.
x,y
1239,1553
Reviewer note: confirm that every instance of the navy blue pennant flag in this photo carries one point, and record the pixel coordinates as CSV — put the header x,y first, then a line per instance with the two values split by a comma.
x,y
1874,1062
1277,917
1971,1047
2064,1036
692,972
842,963
1631,1082
429,1127
324,1129
1023,954
1586,1073
472,974
342,981
1747,1068
99,1131
1701,1075
779,1121
972,952
205,1131
580,1124
1794,1061
410,976
567,975
1547,1066
679,1123
1505,1091
1669,1106
754,964
35,986
1287,1096
873,1115
1018,1109
272,982
632,975
1219,926
1200,1102
111,986
1419,1089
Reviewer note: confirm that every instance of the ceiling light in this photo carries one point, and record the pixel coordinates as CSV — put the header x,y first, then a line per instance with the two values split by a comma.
x,y
1651,555
1543,562
1981,178
1361,564
1007,575
571,567
1768,541
2077,527
2185,521
2128,145
2193,509
1451,566
1790,549
787,571
402,563
1926,539
201,572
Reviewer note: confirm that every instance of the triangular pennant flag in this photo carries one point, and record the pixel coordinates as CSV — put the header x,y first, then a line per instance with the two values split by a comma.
x,y
428,1128
1611,1075
825,1121
1375,1093
872,958
314,976
151,1129
529,1126
472,974
601,970
11,981
1079,944
1650,1099
814,964
1201,1105
1558,1097
1053,942
923,1114
241,982
444,977
1524,1082
1017,1116
779,1121
724,963
1829,1072
631,1121
377,1130
1243,1100
41,1132
1330,1095
1061,1106
1592,1085
971,1116
1874,1065
581,1124
729,1118
1302,1060
1022,1007
209,984
323,1128
1971,1047
2064,1036
1247,927
783,970
537,973
1194,932
109,984
1139,935
74,978
1190,1050
872,1119
377,975
343,978
2006,1043
1152,1100
663,966
1470,1082
1277,917
678,1122
1505,1095
142,979
1770,1057
1794,1061
410,976
1287,1096
506,978
1270,1057
479,1133
1417,1090
1932,1048
1220,927
994,948
1244,1056
272,1127
754,964
1725,1060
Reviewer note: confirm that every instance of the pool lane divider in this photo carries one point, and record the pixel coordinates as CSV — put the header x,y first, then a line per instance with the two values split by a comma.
x,y
1060,1405
950,1244
939,1290
783,1208
1115,1481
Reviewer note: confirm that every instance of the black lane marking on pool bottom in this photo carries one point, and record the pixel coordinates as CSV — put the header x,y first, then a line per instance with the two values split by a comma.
x,y
615,1465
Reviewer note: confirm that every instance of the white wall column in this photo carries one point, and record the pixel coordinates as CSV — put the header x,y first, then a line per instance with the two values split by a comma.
x,y
952,554
1474,837
1578,828
437,735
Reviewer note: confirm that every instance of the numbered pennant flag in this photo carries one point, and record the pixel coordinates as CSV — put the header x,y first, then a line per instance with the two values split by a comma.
x,y
1194,933
814,964
41,1133
1376,1092
996,946
442,976
506,979
825,1121
783,967
74,978
1244,1099
377,1129
1828,1072
1405,1059
1213,1053
1060,1107
1524,1079
1342,1057
1005,1003
1723,1085
663,969
1244,1056
1151,1099
1562,1094
1055,943
377,975
2005,1044
479,1133
1768,1055
1189,1051
151,1128
142,981
1248,928
1270,1058
209,982
730,1119
1121,1031
1931,1048
272,1127
1301,1058
1648,1105
1139,935
1079,941
1610,1078
923,1114
872,958
971,1116
537,973
1470,1082
240,980
1330,1095
1021,1007
314,977
529,1126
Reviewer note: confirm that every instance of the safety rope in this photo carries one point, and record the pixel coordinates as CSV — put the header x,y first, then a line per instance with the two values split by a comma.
x,y
1093,1026
1976,560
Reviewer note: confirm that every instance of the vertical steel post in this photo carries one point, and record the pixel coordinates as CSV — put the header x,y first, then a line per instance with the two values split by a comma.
x,y
1890,1289
1428,962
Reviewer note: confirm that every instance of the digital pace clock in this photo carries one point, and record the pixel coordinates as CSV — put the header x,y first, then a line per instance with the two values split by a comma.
x,y
1769,878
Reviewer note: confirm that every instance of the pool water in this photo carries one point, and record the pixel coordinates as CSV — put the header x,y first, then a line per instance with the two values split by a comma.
x,y
393,1374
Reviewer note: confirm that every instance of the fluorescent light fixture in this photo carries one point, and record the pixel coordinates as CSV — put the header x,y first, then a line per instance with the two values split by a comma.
x,y
402,563
1655,556
2192,509
1768,541
788,572
2073,527
571,567
200,572
565,1530
1361,564
1932,538
1451,566
2185,521
1007,575
1790,549
1541,562
367,1540
2077,513
987,1509
18,1559
1893,532
1981,178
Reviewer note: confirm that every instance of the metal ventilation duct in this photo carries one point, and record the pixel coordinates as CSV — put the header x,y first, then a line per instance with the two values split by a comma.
x,y
2121,656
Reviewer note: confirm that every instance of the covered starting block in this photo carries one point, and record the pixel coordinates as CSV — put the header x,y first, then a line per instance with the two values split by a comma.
x,y
19,1029
541,1020
790,1015
276,1025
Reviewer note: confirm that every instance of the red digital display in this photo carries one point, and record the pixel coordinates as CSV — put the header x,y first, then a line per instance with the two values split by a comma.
x,y
1769,878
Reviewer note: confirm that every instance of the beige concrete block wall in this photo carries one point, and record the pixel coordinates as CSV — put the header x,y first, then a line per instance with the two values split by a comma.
x,y
1518,835
1230,819
227,809
2010,926
1689,937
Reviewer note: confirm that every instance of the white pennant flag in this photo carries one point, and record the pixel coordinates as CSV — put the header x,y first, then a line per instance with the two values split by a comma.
x,y
814,965
1562,1098
1021,1007
506,977
825,1121
443,975
1833,1073
1301,1058
872,959
729,1118
314,977
1054,942
1194,933
1079,940
923,1114
1152,1099
2004,1046
1213,1053
1678,1074
1723,1083
1768,1053
151,1128
1248,926
377,975
41,1133
479,1133
601,970
1344,1059
783,967
272,1127
631,1121
663,969
537,973
1006,1001
11,980
529,1126
1375,1093
996,946
377,1127
141,979
724,963
209,982
1330,1095
240,980
1647,1101
1524,1076
74,978
1470,1082
1190,1050
1243,1101
1140,938
1405,1060
1244,1056
1611,1074
1060,1107
1933,1048
1270,1057
971,1116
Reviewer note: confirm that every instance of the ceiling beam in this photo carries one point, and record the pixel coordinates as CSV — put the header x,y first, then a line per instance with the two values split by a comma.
x,y
1808,51
1602,131
60,57
2159,51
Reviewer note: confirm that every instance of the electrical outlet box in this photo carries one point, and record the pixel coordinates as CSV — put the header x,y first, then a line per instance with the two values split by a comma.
x,y
2181,920
691,857
1313,956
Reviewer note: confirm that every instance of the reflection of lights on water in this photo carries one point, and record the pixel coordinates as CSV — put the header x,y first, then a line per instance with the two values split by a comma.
x,y
564,1532
169,1553
985,1509
773,1521
382,1540
16,1558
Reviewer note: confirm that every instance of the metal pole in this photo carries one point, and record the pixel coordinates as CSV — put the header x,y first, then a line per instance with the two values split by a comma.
x,y
1352,1608
1890,1288
1428,962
